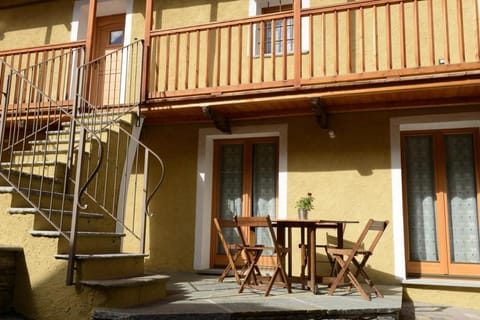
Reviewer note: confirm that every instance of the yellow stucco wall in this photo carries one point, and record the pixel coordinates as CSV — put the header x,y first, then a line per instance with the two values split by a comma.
x,y
172,229
35,25
40,290
349,176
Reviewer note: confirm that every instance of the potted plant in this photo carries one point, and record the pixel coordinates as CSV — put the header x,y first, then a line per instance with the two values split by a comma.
x,y
304,204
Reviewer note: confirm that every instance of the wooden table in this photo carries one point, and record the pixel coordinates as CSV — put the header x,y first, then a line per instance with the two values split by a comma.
x,y
284,232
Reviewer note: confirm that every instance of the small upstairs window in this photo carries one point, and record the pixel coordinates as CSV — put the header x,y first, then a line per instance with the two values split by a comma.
x,y
275,38
282,30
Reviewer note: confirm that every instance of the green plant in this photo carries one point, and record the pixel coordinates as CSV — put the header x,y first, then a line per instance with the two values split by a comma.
x,y
305,203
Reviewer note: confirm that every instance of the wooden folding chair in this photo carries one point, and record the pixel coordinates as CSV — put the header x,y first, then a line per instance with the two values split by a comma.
x,y
279,276
233,251
346,257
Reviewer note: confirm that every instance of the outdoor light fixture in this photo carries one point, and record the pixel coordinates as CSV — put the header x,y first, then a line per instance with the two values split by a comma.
x,y
331,133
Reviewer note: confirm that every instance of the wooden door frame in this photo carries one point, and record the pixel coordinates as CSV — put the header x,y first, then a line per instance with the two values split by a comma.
x,y
247,181
444,266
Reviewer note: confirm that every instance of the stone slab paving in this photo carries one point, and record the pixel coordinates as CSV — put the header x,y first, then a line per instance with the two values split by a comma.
x,y
192,296
423,311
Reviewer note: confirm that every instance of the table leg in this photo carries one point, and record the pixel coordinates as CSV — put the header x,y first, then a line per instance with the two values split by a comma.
x,y
340,235
313,259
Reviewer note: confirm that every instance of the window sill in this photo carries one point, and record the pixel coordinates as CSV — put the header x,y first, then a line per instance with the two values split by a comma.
x,y
439,282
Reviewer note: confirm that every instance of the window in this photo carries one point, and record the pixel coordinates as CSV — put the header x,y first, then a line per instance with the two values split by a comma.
x,y
282,29
245,182
116,37
441,188
275,39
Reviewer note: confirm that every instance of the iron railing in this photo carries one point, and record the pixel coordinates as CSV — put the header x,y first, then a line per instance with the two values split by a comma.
x,y
84,156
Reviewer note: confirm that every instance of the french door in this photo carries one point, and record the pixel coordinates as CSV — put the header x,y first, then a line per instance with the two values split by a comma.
x,y
441,193
244,184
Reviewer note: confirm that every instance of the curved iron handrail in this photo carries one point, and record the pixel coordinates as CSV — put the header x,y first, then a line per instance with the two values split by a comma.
x,y
96,169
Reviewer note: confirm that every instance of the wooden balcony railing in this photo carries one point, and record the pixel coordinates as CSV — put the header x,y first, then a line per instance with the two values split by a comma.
x,y
357,41
50,69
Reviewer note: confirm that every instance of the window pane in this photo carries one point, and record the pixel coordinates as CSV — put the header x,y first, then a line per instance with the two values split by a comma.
x,y
264,179
421,198
116,37
231,188
231,181
462,199
264,186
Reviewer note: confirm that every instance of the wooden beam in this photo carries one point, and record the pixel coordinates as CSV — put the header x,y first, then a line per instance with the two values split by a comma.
x,y
92,15
297,41
320,112
220,122
146,49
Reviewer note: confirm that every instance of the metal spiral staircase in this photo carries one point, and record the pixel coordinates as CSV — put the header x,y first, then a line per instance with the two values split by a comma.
x,y
77,164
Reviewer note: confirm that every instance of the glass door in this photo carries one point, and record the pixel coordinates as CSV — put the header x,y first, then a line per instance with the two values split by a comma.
x,y
245,184
441,185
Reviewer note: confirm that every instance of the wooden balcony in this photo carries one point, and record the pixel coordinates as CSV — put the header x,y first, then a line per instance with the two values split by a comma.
x,y
357,56
364,55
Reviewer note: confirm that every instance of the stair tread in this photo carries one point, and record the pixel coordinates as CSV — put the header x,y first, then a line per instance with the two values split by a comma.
x,y
31,163
43,192
4,189
39,153
99,256
7,171
126,282
43,141
54,212
48,233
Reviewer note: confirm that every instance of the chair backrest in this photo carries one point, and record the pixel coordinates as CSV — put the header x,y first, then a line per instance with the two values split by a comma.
x,y
218,228
372,226
257,222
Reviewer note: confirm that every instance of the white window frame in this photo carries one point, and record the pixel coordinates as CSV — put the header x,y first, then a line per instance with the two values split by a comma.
x,y
203,210
255,9
415,123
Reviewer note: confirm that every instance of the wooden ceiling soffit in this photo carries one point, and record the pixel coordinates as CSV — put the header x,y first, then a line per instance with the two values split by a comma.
x,y
8,4
219,120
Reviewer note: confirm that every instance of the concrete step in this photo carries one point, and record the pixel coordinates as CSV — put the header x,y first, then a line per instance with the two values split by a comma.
x,y
35,181
50,169
43,156
42,199
93,222
125,292
107,266
87,242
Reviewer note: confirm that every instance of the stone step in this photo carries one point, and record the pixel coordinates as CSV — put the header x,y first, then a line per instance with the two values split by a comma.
x,y
107,266
44,156
34,181
86,221
125,292
87,242
47,168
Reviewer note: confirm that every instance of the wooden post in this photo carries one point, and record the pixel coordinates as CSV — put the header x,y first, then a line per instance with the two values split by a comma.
x,y
146,47
297,41
92,15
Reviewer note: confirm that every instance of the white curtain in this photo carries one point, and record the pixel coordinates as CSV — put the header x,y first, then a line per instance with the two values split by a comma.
x,y
462,198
